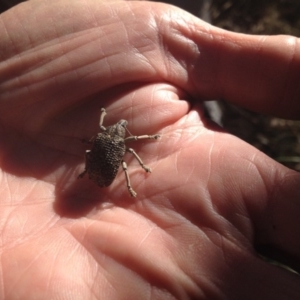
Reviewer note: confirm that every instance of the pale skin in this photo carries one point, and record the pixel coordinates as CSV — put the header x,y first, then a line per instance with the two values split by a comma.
x,y
191,232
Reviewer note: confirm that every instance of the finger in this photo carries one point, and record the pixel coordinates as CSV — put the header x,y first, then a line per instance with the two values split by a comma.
x,y
260,73
98,46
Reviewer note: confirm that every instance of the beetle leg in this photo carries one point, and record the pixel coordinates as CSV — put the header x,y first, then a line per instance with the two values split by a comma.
x,y
141,137
131,191
81,175
147,169
87,152
103,113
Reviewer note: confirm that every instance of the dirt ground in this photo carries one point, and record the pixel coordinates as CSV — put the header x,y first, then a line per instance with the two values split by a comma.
x,y
258,16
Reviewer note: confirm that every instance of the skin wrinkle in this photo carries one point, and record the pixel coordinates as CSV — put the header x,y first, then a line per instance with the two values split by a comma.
x,y
223,219
33,186
190,175
18,240
67,59
141,57
147,234
56,35
92,290
162,231
172,65
151,111
16,18
164,25
125,30
51,271
21,24
86,42
170,235
177,154
66,55
34,201
26,270
212,283
150,43
247,231
204,279
251,167
103,254
94,283
159,23
210,151
262,177
226,261
238,240
188,32
74,251
49,46
22,223
52,223
29,55
85,245
246,207
5,32
155,270
2,285
4,225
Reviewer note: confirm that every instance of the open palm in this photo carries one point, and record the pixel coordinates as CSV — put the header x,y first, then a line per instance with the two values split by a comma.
x,y
190,233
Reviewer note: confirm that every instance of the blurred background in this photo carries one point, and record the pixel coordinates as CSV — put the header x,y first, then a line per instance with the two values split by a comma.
x,y
276,137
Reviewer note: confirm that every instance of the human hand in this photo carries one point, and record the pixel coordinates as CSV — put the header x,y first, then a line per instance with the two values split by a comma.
x,y
191,231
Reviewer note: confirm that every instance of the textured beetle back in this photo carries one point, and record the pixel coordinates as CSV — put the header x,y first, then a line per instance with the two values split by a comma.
x,y
105,158
102,162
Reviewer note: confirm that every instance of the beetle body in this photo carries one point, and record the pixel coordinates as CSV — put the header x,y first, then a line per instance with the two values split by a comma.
x,y
103,161
105,157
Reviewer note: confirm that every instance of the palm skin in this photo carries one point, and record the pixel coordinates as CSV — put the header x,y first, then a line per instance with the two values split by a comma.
x,y
191,231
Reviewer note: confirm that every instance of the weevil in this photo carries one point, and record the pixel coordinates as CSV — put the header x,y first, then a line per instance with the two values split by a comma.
x,y
104,159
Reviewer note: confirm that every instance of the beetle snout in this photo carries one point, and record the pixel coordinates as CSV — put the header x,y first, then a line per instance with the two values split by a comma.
x,y
123,123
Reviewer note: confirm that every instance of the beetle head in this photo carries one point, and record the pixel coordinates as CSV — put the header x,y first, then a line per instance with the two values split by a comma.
x,y
118,129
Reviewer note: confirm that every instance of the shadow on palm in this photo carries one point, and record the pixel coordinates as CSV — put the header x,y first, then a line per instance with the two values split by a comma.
x,y
54,153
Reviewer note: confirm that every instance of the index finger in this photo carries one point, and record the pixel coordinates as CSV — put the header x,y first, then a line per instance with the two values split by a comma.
x,y
260,73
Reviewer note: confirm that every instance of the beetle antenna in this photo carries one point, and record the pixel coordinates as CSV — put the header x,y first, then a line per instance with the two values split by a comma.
x,y
128,131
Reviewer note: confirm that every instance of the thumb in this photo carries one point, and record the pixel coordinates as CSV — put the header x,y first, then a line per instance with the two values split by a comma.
x,y
260,73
